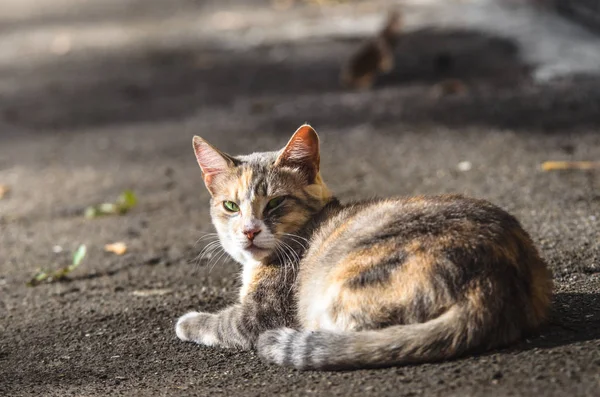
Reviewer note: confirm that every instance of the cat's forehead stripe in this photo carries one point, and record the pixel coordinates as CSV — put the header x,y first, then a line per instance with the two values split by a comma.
x,y
259,185
245,181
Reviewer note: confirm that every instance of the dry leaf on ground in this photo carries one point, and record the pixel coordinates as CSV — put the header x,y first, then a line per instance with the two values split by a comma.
x,y
4,189
118,248
570,165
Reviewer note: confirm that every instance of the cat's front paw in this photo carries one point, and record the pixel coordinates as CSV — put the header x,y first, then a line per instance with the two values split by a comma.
x,y
196,327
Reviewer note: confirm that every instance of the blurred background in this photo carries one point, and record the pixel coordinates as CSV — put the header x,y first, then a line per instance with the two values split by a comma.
x,y
99,100
82,63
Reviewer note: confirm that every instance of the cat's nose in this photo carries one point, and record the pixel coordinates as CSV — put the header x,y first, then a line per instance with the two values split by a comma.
x,y
251,233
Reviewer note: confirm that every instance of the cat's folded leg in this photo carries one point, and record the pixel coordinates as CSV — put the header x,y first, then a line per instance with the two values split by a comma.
x,y
231,327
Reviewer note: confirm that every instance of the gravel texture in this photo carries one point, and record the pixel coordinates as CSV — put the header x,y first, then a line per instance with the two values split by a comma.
x,y
80,125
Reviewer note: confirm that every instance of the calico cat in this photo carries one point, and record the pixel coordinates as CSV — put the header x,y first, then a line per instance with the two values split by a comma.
x,y
373,57
327,285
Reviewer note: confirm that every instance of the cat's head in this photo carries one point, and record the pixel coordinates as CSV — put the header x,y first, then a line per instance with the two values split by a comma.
x,y
258,200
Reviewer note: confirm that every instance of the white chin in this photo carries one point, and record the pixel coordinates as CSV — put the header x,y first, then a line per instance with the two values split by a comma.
x,y
256,254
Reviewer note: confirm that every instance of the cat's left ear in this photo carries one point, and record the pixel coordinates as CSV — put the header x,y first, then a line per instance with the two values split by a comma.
x,y
302,152
211,160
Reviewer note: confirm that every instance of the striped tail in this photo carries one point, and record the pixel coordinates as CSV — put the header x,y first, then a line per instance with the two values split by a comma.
x,y
445,337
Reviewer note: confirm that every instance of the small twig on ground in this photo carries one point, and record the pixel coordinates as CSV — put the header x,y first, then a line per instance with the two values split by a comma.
x,y
44,276
570,165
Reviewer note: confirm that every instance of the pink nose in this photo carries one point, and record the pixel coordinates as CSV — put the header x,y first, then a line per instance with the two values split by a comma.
x,y
251,233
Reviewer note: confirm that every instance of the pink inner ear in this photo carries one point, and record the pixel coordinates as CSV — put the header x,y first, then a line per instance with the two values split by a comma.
x,y
303,146
302,151
211,161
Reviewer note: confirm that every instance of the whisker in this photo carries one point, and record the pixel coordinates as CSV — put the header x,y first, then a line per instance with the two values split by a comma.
x,y
277,251
292,251
285,247
294,263
297,239
210,243
207,249
282,244
214,260
217,261
205,236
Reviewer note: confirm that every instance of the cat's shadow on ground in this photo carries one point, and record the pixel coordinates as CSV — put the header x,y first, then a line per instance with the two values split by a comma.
x,y
575,317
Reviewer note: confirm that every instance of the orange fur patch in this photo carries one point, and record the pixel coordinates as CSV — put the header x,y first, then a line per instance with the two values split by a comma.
x,y
374,301
259,274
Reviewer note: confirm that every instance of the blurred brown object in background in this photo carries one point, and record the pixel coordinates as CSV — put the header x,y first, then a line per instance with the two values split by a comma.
x,y
449,87
4,189
374,56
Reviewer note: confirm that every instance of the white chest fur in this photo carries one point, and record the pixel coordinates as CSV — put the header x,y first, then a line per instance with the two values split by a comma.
x,y
316,311
248,271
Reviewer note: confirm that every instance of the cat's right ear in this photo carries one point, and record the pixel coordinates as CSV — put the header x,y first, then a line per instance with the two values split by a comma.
x,y
302,152
211,160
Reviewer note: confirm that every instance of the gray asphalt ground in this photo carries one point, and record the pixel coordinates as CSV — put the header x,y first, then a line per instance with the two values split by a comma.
x,y
82,119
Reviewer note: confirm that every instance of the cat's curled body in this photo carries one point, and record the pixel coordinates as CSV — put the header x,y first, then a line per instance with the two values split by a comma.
x,y
368,284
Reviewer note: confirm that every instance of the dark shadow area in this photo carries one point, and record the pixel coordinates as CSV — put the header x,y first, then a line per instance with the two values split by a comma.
x,y
170,84
575,318
586,12
555,107
431,55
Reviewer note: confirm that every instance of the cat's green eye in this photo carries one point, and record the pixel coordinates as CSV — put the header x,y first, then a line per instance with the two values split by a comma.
x,y
231,206
274,203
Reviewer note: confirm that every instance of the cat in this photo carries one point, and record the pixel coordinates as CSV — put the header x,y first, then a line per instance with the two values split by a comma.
x,y
373,57
376,283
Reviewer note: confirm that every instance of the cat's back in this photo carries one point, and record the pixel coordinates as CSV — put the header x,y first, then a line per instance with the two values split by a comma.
x,y
398,221
379,251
